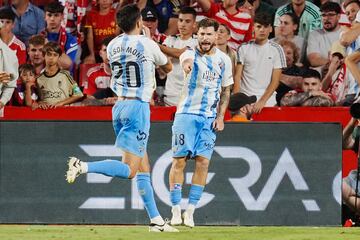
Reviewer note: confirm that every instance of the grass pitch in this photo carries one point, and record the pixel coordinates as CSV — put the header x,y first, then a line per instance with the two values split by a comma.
x,y
99,232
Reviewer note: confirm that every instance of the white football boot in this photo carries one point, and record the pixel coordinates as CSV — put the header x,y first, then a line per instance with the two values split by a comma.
x,y
153,227
74,169
188,219
176,215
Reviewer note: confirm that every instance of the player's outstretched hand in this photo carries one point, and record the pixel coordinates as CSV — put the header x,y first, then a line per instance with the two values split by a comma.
x,y
187,66
218,124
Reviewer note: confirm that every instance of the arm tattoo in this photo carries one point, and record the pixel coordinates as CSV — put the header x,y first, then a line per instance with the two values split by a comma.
x,y
319,101
224,101
296,99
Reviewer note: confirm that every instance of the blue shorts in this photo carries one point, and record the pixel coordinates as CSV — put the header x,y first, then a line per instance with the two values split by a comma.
x,y
193,135
131,122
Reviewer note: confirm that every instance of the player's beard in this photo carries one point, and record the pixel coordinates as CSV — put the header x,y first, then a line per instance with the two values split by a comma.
x,y
204,51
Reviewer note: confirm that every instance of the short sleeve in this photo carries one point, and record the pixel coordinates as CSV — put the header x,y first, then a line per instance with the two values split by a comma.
x,y
313,43
159,57
240,54
168,41
228,76
279,59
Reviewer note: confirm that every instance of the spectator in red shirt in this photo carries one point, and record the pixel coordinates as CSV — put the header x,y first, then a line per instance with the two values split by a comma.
x,y
25,91
7,17
98,77
238,20
100,24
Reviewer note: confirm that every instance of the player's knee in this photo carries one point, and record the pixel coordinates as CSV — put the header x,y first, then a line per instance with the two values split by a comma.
x,y
179,164
345,189
202,164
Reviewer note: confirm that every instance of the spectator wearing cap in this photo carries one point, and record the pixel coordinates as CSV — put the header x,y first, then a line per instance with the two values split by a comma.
x,y
168,13
29,19
7,17
54,32
320,41
151,21
100,24
241,107
310,93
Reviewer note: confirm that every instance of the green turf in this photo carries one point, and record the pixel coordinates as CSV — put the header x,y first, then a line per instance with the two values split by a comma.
x,y
39,232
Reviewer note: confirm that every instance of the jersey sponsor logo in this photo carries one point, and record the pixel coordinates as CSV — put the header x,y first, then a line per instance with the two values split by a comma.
x,y
73,45
210,76
141,136
51,94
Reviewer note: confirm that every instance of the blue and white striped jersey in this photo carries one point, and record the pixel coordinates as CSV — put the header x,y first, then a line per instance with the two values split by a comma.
x,y
202,86
132,59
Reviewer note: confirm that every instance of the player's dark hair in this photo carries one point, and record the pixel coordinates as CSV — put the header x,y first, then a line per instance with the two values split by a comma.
x,y
7,13
52,47
311,73
127,17
188,10
54,7
208,22
263,19
330,7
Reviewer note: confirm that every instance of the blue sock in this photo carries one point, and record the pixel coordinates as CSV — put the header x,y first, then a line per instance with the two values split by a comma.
x,y
175,194
147,194
195,194
112,168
